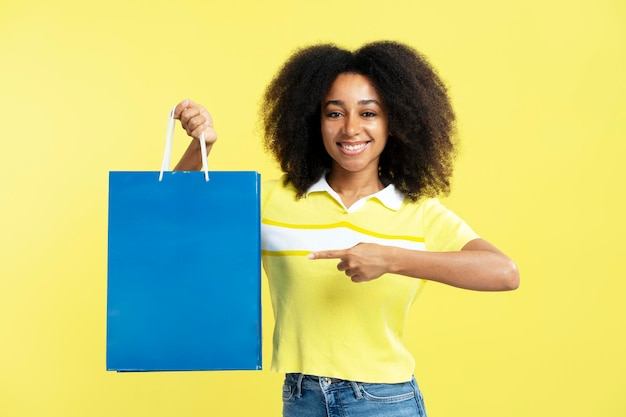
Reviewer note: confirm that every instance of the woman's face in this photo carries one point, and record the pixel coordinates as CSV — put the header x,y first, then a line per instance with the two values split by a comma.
x,y
354,124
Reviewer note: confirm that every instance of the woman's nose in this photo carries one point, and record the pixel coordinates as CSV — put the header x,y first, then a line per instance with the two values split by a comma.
x,y
352,125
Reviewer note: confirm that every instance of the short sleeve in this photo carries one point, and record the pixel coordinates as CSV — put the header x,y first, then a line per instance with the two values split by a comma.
x,y
444,231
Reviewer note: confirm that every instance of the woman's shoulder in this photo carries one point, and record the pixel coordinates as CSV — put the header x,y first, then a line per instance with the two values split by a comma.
x,y
276,189
267,186
424,202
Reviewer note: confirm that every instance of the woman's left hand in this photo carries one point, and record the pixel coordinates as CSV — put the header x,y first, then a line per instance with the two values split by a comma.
x,y
363,262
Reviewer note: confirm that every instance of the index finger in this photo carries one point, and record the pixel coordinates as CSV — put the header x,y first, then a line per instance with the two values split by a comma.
x,y
327,254
181,107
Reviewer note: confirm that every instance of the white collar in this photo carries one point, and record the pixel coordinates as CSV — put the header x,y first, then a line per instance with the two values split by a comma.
x,y
389,196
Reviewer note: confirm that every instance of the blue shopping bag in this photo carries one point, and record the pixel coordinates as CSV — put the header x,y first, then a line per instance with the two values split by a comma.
x,y
184,271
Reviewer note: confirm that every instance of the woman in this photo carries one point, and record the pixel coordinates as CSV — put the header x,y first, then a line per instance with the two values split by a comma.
x,y
365,141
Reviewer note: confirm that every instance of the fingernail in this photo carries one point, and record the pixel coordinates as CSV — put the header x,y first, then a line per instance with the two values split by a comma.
x,y
311,256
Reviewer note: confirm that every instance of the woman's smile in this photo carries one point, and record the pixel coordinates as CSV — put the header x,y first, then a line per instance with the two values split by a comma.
x,y
352,148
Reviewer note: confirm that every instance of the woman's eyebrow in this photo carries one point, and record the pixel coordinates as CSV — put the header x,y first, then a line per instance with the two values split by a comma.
x,y
360,102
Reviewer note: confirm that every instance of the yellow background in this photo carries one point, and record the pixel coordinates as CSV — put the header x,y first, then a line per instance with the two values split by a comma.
x,y
538,86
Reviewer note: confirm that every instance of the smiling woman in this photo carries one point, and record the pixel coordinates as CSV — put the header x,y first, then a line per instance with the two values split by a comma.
x,y
365,141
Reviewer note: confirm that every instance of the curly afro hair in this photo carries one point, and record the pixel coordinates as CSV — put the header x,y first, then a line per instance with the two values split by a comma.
x,y
419,154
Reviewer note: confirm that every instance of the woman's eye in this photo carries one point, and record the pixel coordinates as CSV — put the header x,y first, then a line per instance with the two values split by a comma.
x,y
368,114
333,114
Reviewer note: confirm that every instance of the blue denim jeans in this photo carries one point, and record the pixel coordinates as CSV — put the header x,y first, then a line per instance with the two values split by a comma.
x,y
312,396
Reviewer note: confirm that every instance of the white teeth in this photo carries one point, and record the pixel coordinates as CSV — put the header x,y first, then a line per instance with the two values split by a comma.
x,y
356,147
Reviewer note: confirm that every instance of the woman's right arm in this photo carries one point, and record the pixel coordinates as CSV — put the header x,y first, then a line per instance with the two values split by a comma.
x,y
196,120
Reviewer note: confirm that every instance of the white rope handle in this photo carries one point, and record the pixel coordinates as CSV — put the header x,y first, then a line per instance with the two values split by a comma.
x,y
169,139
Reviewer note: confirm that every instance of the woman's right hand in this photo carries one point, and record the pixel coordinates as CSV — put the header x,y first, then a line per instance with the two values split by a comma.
x,y
196,120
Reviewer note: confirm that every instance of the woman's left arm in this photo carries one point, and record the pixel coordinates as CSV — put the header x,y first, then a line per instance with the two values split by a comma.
x,y
479,265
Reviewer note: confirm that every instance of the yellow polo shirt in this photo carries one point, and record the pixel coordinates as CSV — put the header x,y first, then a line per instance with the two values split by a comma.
x,y
324,323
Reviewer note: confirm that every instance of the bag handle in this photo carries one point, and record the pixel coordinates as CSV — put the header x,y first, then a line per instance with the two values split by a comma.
x,y
169,139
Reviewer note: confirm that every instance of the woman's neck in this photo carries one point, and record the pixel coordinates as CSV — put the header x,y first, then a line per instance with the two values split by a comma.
x,y
352,186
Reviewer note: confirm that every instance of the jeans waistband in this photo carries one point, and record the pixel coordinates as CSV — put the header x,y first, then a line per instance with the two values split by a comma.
x,y
323,379
324,382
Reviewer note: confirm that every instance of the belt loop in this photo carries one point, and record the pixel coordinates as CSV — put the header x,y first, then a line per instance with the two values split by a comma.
x,y
299,385
357,390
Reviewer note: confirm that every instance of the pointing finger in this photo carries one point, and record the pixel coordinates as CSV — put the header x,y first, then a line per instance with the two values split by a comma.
x,y
327,254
